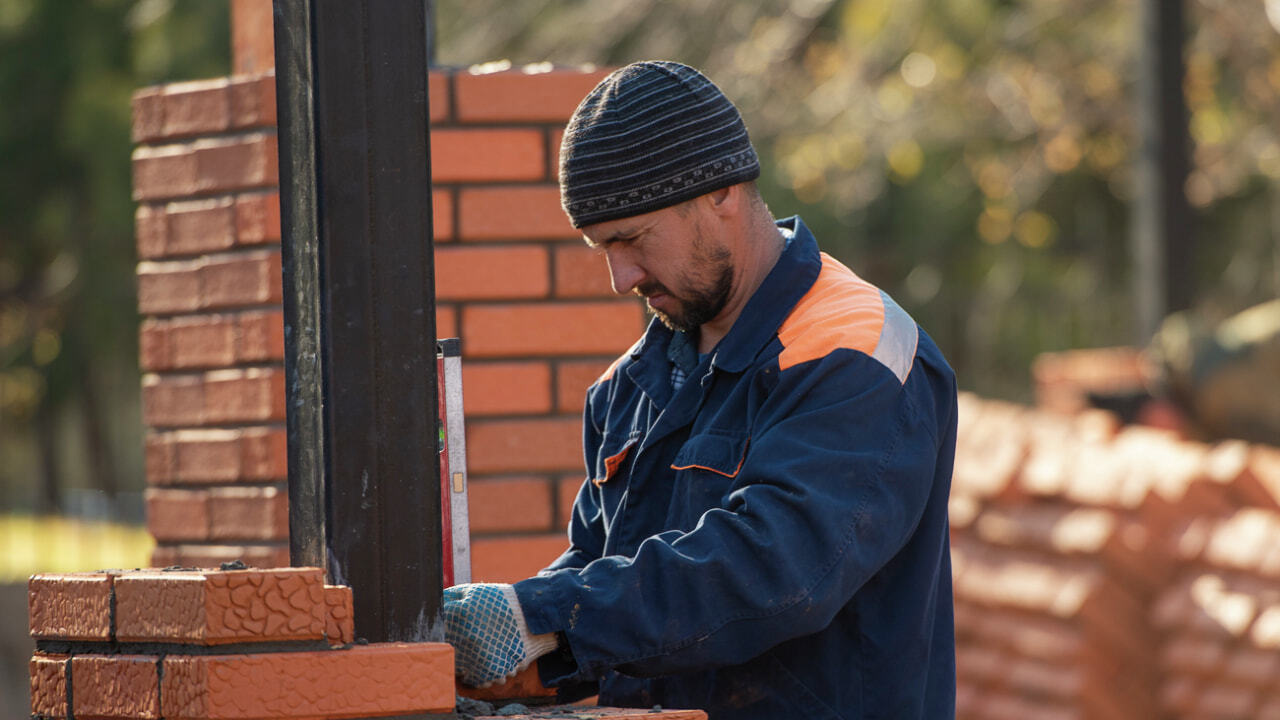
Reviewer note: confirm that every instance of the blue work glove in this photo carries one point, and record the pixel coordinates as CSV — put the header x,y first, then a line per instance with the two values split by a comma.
x,y
484,624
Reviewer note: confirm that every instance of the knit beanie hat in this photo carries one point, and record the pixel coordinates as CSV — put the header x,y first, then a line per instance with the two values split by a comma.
x,y
649,136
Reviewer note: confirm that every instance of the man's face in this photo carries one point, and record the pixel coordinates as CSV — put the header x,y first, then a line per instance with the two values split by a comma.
x,y
684,274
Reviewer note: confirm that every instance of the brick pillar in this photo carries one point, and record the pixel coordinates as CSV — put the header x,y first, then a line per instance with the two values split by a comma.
x,y
531,303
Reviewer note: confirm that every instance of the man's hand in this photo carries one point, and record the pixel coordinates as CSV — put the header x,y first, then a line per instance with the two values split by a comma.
x,y
485,626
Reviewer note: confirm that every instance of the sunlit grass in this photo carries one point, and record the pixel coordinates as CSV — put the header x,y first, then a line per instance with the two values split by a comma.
x,y
30,544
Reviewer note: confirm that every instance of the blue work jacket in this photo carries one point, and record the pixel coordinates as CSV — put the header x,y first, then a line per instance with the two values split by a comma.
x,y
769,541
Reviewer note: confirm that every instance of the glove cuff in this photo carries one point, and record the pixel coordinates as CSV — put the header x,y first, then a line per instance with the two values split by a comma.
x,y
535,645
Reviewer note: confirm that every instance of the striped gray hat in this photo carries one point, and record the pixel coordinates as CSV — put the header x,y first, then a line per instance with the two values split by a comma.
x,y
649,136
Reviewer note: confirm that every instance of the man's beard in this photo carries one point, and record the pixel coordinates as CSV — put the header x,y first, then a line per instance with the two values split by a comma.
x,y
701,303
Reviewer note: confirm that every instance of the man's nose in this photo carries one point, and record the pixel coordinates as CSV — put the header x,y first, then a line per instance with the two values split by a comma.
x,y
624,273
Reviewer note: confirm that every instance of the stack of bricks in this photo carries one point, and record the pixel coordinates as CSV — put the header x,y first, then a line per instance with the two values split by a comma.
x,y
1067,531
192,645
532,305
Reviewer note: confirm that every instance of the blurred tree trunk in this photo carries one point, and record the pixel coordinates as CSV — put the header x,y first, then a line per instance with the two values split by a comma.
x,y
1162,229
49,492
102,468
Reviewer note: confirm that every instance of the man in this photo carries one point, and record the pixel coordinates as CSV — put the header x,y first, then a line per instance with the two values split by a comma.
x,y
763,529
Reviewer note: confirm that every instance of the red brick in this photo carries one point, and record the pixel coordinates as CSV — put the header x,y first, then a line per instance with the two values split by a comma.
x,y
362,681
596,328
582,272
492,273
111,687
257,218
509,505
523,95
486,155
200,107
258,555
49,685
518,446
510,559
442,224
172,400
252,278
151,228
153,346
244,513
177,515
205,456
159,459
556,139
220,606
148,114
438,95
70,607
566,493
204,341
446,321
513,213
162,172
253,101
200,226
168,287
264,454
507,388
339,618
252,37
261,336
573,377
255,395
525,684
236,163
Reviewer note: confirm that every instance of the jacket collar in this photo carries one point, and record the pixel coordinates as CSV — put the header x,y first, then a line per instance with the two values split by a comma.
x,y
791,277
788,281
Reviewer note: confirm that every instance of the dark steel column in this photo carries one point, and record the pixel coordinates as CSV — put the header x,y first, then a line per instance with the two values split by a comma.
x,y
364,479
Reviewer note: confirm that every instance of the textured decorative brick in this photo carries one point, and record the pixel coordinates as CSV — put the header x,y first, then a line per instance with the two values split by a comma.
x,y
511,446
506,388
492,273
363,681
70,607
339,618
509,505
530,94
510,559
602,328
525,684
244,513
513,213
488,155
581,272
216,607
49,685
115,687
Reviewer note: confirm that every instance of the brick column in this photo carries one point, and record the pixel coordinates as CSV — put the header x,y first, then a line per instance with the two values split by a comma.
x,y
531,303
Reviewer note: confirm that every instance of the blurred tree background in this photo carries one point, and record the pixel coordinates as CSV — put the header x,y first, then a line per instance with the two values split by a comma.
x,y
70,430
973,157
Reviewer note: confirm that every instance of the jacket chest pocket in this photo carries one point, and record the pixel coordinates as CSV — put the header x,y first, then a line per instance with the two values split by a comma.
x,y
611,459
706,470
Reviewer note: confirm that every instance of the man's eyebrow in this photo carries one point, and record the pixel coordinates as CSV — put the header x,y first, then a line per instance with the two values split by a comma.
x,y
621,235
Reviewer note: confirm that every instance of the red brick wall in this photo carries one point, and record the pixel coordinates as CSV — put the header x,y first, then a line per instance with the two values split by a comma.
x,y
531,303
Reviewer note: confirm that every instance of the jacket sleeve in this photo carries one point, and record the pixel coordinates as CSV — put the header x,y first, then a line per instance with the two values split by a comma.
x,y
586,529
840,465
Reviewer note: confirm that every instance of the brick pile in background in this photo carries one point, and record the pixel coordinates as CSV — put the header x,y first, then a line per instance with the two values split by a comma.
x,y
218,644
1067,531
532,305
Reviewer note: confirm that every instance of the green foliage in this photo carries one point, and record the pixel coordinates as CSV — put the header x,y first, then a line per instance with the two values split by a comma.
x,y
973,157
67,299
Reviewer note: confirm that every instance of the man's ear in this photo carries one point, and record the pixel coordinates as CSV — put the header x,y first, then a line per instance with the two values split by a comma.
x,y
726,200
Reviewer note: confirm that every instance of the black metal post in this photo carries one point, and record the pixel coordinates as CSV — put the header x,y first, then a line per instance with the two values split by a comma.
x,y
364,471
1163,232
